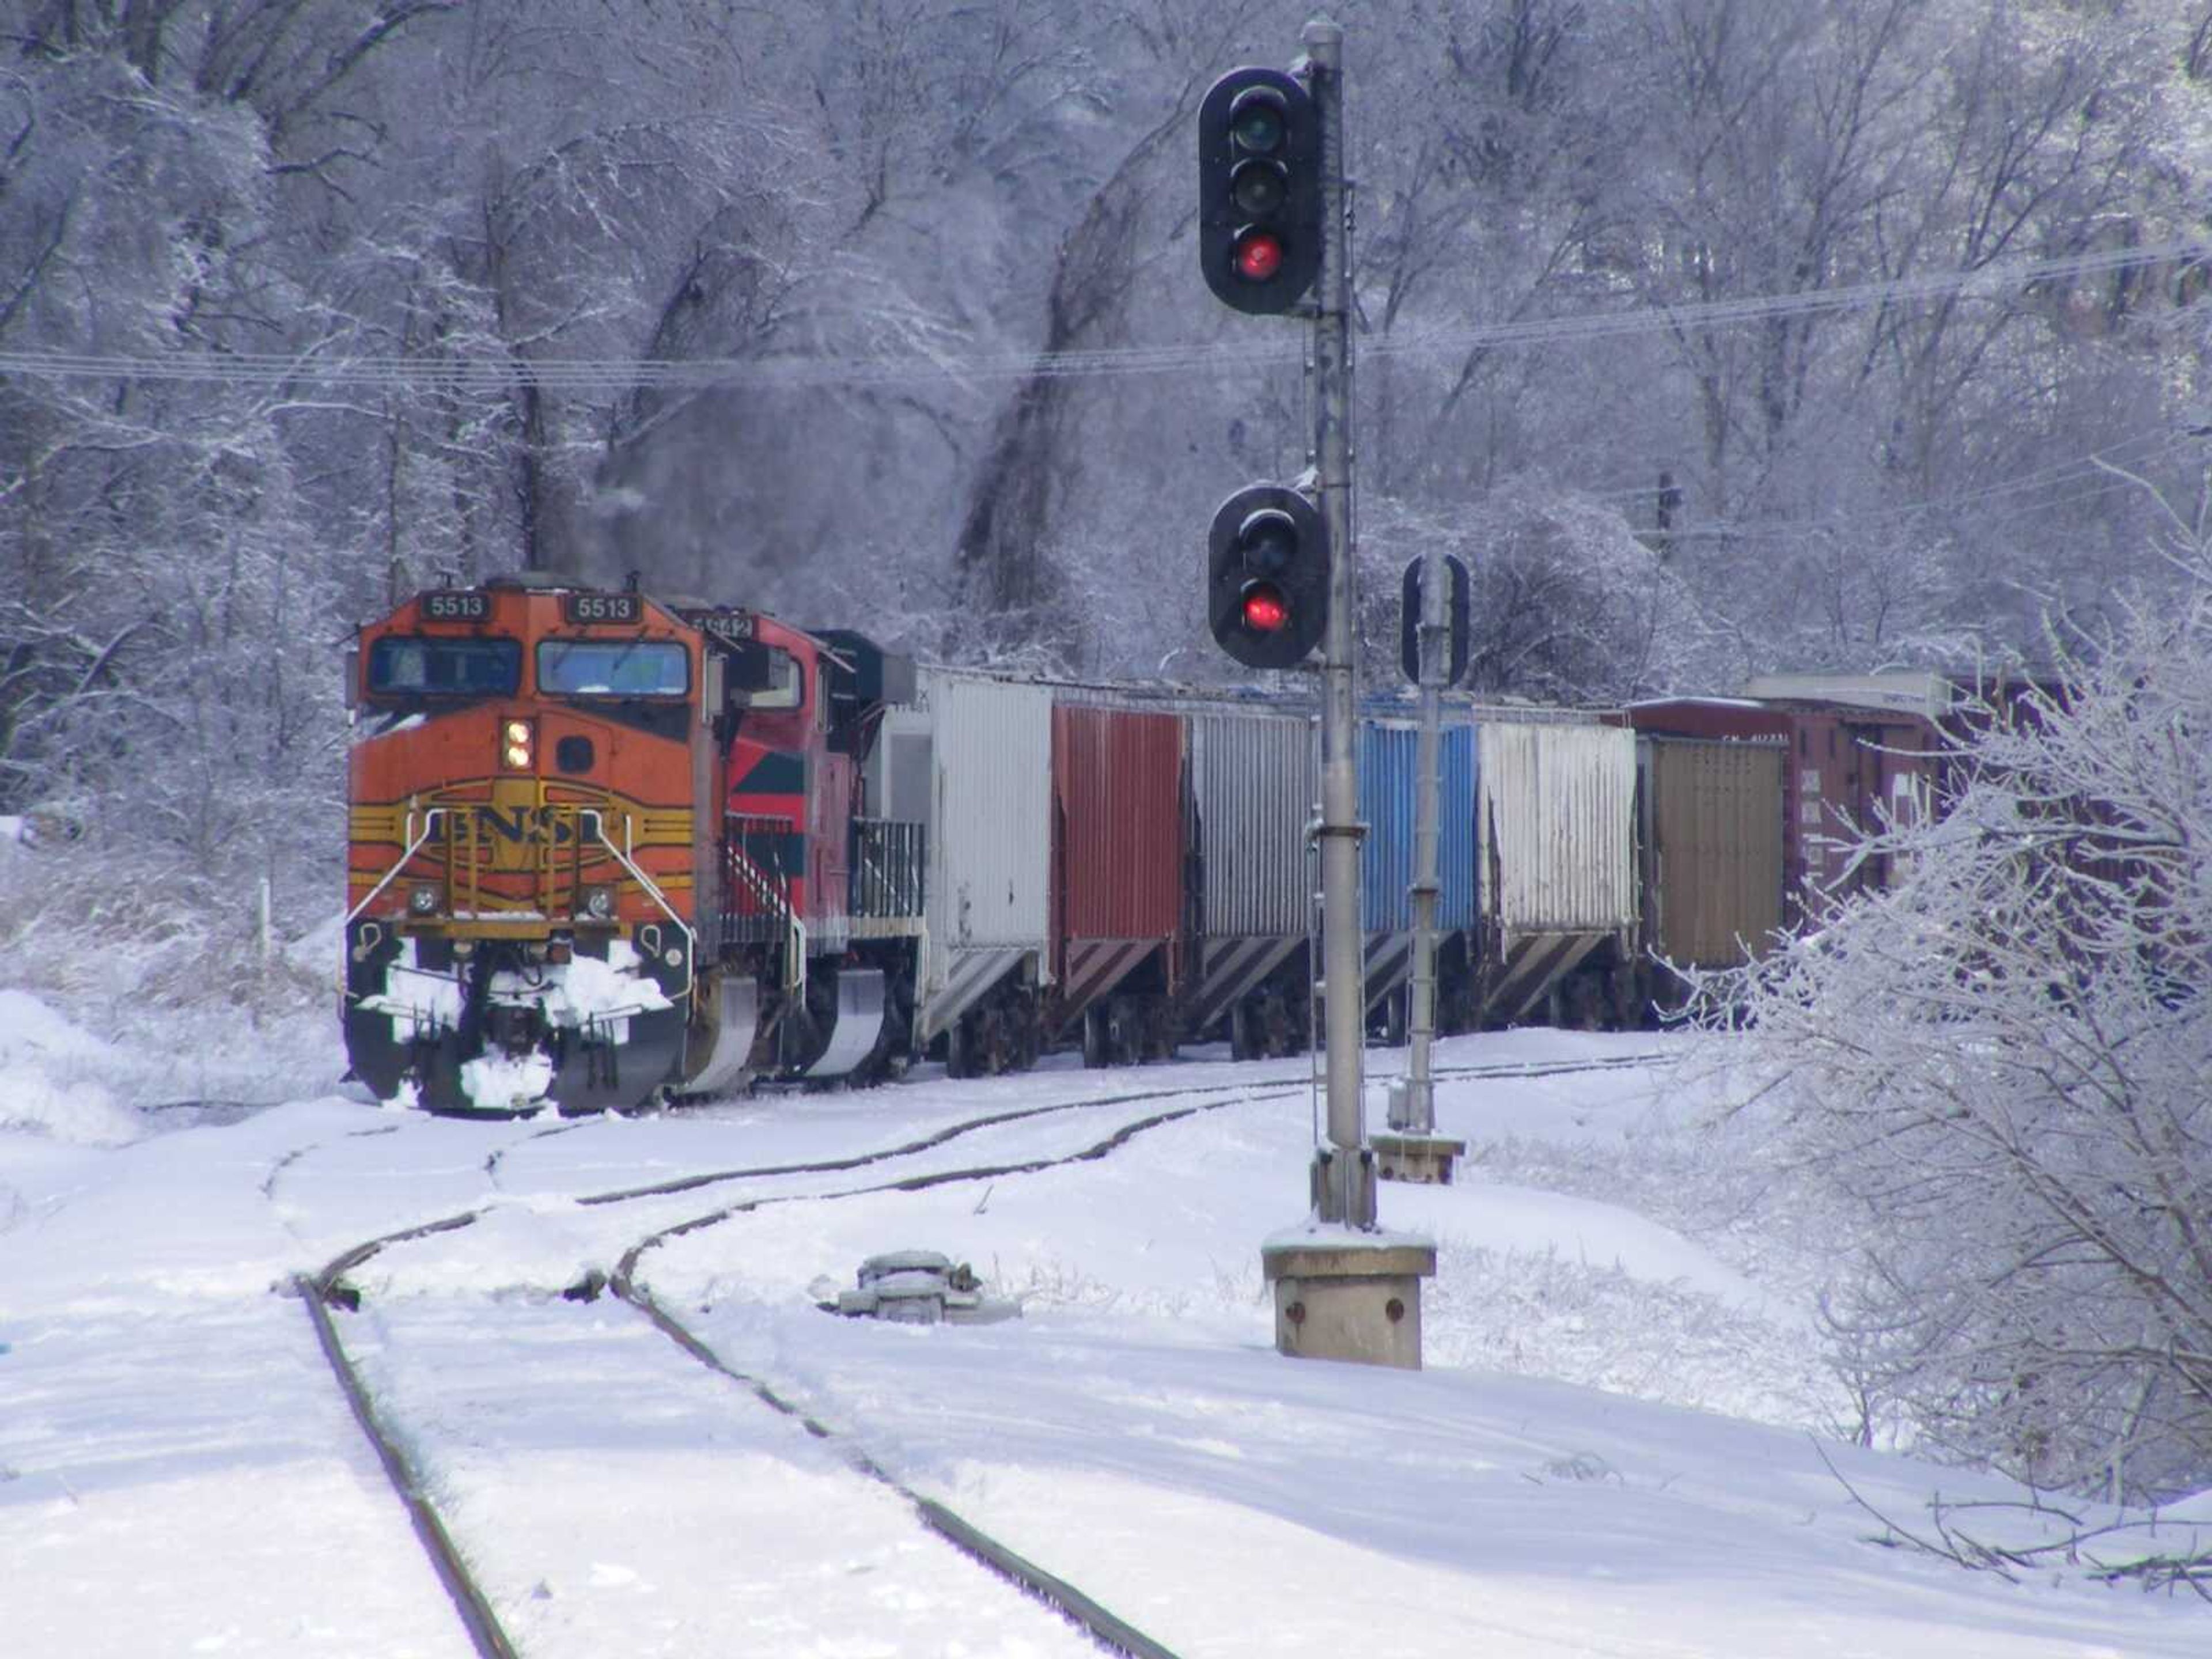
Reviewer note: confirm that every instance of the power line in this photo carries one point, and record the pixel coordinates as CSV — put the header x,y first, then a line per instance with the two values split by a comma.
x,y
325,365
2136,451
1991,282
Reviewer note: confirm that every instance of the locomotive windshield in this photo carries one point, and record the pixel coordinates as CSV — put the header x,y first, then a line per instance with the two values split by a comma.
x,y
613,668
777,681
418,666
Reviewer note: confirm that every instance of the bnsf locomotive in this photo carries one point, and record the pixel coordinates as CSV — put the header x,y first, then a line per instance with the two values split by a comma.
x,y
607,847
603,846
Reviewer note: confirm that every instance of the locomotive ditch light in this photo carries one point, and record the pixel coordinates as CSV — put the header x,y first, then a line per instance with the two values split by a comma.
x,y
517,745
422,900
596,903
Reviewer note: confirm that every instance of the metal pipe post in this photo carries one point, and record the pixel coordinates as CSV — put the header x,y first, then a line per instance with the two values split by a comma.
x,y
1414,1108
1344,1169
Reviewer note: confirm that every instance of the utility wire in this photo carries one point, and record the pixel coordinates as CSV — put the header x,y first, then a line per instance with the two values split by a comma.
x,y
2134,452
331,366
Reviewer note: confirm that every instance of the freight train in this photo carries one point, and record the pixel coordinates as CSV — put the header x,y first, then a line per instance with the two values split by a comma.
x,y
606,848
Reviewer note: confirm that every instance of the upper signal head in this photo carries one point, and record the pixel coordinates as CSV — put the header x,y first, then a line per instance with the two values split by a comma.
x,y
1259,190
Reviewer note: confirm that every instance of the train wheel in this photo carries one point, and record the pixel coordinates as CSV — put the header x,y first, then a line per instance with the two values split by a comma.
x,y
1029,1040
1160,1029
959,1043
1125,1040
1007,1038
1631,1002
1097,1038
1244,1043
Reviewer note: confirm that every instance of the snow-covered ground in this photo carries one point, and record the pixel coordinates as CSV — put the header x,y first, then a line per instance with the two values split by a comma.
x,y
1620,1446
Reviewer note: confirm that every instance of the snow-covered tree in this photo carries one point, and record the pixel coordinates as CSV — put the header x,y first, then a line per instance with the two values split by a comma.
x,y
1996,1077
1568,605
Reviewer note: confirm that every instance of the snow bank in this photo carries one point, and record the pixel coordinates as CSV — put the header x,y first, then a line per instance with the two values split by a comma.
x,y
48,1077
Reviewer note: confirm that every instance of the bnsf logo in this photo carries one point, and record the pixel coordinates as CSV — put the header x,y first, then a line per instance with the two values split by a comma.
x,y
526,826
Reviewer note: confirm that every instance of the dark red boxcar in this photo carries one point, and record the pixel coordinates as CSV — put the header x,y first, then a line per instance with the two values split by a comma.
x,y
1117,852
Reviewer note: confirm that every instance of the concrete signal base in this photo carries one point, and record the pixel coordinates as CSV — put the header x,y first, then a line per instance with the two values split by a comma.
x,y
1346,1295
1425,1159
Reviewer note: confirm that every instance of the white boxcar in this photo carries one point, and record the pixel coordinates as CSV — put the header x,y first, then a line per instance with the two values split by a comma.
x,y
1252,775
988,783
1557,821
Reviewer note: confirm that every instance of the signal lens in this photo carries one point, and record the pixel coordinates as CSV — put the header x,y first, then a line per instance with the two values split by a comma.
x,y
1269,546
1265,608
1258,188
1258,256
1255,121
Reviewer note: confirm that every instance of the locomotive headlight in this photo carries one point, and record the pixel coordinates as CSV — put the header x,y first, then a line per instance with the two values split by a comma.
x,y
598,903
518,744
422,900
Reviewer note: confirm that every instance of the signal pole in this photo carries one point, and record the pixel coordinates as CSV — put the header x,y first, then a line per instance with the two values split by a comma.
x,y
1344,1170
1421,1101
1343,1289
1413,1151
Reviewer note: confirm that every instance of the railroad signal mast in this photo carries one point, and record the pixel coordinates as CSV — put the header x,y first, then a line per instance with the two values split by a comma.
x,y
1273,229
1434,645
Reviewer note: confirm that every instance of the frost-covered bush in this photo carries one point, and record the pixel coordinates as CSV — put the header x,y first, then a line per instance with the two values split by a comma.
x,y
1997,1077
1568,604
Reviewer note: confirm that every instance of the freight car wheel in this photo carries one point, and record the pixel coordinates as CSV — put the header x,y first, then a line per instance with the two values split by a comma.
x,y
1244,1043
1159,1028
1097,1038
1125,1032
993,1040
959,1046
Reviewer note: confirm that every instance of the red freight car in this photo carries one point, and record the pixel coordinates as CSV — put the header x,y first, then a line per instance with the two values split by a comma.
x,y
1119,806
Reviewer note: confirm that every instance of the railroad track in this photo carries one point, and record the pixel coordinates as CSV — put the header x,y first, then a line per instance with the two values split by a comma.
x,y
398,1453
401,1458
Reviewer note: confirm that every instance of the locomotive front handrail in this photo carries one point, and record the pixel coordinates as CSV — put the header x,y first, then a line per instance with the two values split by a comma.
x,y
429,822
597,820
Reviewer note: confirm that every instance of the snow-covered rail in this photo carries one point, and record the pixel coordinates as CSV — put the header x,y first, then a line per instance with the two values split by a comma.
x,y
400,1442
393,1407
485,1631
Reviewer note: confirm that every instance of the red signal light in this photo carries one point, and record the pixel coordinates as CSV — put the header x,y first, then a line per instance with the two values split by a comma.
x,y
1258,256
1265,608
